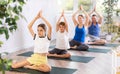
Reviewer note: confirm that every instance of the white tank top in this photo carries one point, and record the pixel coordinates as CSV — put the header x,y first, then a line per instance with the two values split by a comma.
x,y
62,41
41,45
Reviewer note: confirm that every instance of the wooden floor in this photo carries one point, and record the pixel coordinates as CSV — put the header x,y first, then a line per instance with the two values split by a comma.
x,y
101,64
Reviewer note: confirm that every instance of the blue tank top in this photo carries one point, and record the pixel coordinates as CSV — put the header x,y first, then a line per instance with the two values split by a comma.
x,y
80,34
94,30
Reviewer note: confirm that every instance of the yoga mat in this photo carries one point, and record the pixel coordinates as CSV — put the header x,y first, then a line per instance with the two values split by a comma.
x,y
28,54
107,45
96,50
82,59
55,70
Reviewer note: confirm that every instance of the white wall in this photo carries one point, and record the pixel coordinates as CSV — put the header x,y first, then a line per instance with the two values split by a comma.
x,y
21,38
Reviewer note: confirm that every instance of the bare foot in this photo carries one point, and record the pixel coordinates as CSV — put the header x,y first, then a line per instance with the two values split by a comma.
x,y
52,55
89,43
74,47
27,66
32,67
14,62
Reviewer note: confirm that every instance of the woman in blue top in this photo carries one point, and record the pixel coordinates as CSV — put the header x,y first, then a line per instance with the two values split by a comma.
x,y
93,29
78,41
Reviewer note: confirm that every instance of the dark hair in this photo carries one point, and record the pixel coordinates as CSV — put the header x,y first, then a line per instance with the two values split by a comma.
x,y
81,16
42,25
62,23
94,15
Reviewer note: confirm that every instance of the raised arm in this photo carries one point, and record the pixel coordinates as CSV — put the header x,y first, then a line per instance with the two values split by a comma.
x,y
86,16
74,19
57,24
31,24
66,24
49,26
100,17
89,23
91,12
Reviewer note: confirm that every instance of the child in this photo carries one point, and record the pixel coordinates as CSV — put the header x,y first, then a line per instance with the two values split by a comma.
x,y
38,60
62,42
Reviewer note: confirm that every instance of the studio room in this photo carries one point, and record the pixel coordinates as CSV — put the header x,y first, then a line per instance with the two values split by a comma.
x,y
59,36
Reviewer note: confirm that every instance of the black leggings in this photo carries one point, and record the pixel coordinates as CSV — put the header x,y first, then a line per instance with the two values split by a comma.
x,y
80,46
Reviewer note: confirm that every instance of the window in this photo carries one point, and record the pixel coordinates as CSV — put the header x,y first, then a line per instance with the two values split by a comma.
x,y
87,4
66,5
70,5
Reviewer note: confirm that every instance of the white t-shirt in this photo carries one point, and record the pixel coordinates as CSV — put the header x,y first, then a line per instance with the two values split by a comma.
x,y
41,45
62,40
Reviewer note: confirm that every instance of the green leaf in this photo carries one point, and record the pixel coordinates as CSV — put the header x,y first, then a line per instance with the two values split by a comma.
x,y
3,2
5,60
16,18
15,9
14,0
1,43
1,30
22,2
11,15
6,33
8,64
0,65
0,22
11,29
20,8
11,21
6,14
15,27
10,1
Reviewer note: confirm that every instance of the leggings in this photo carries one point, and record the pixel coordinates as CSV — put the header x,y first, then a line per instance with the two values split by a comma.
x,y
80,46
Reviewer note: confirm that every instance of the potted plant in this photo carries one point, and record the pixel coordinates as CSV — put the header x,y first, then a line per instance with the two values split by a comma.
x,y
10,12
109,9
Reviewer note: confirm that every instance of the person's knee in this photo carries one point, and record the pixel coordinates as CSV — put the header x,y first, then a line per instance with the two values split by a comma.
x,y
86,47
47,68
103,41
83,47
68,55
13,66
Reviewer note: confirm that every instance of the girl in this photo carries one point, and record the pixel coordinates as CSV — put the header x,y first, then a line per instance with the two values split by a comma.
x,y
38,60
62,42
79,38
